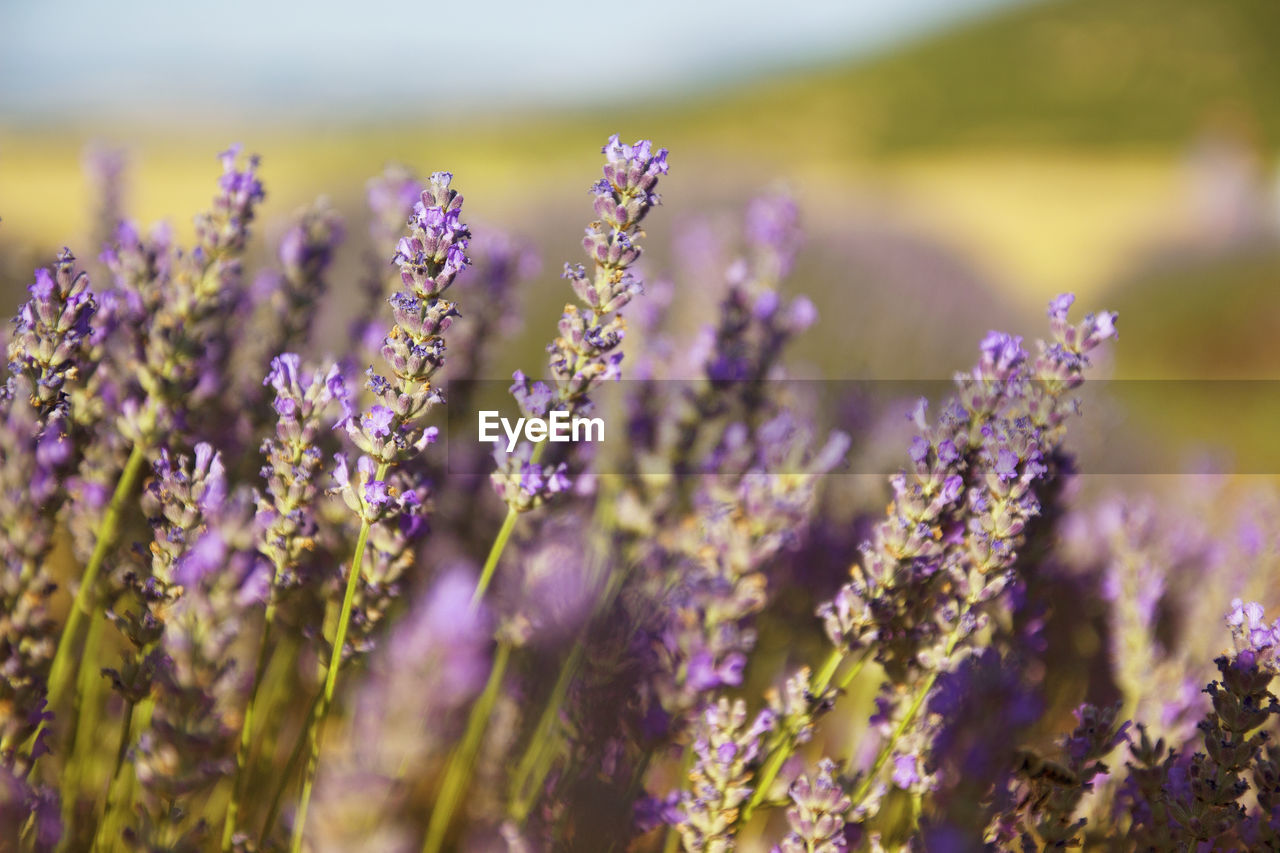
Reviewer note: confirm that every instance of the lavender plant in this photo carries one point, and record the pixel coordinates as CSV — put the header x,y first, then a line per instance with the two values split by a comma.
x,y
46,360
610,649
393,429
583,356
187,304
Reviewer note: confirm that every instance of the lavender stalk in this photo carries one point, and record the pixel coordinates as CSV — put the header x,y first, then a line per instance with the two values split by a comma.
x,y
586,352
287,517
581,358
46,358
974,474
169,368
393,430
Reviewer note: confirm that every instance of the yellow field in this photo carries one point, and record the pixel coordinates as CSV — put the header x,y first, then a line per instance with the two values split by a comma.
x,y
1036,223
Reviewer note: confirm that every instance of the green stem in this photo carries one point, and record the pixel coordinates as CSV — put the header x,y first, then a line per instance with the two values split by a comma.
x,y
536,762
532,767
500,541
64,662
787,741
458,774
290,766
246,727
495,553
88,696
126,731
913,709
331,677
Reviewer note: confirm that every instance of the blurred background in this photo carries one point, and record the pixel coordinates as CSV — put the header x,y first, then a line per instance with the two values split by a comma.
x,y
957,162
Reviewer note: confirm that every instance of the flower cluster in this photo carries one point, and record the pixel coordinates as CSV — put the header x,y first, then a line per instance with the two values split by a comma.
x,y
296,658
586,352
286,513
47,358
817,816
183,496
1048,793
51,333
715,576
726,750
393,428
186,344
1180,800
291,296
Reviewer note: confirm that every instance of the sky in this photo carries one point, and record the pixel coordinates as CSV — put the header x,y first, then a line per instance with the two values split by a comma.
x,y
133,57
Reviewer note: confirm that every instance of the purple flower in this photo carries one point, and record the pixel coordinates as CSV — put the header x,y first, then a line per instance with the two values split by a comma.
x,y
906,771
1006,466
535,398
208,554
531,479
726,748
1252,635
51,335
305,252
947,452
375,493
378,420
1002,353
773,235
585,354
1059,307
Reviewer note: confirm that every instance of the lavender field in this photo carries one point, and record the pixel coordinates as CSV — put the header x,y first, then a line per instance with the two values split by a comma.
x,y
586,494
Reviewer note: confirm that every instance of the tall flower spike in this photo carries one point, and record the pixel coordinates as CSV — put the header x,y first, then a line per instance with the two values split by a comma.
x,y
773,234
178,366
305,253
183,497
286,513
392,431
816,816
714,579
583,356
187,342
1181,800
286,519
956,521
105,168
727,749
47,363
430,258
188,748
37,457
586,352
225,228
51,332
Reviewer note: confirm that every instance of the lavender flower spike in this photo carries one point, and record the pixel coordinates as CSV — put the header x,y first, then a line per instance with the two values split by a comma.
x,y
47,361
286,515
726,752
586,353
305,253
392,430
51,332
817,816
177,363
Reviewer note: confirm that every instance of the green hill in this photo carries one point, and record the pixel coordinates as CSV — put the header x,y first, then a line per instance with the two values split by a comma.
x,y
1104,73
